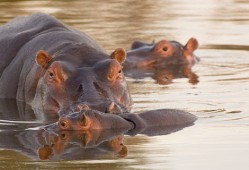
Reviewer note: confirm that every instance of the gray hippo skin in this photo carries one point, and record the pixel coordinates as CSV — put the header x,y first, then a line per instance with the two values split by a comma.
x,y
161,54
90,134
52,67
95,120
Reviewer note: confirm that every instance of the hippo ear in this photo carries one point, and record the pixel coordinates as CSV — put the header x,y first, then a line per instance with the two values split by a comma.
x,y
45,152
83,119
123,152
43,59
119,54
83,107
192,44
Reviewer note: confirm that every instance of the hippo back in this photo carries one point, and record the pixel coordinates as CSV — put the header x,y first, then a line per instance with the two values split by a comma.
x,y
21,38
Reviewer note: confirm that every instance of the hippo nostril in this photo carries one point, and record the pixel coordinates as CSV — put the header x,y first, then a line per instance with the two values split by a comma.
x,y
80,89
83,107
106,111
113,108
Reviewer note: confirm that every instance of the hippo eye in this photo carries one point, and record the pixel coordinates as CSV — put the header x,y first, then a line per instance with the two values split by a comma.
x,y
165,48
51,75
63,124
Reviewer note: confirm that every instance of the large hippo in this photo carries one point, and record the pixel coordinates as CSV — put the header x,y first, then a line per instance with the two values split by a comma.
x,y
53,67
161,54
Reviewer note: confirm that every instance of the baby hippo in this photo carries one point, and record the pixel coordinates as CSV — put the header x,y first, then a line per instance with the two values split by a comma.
x,y
92,119
161,54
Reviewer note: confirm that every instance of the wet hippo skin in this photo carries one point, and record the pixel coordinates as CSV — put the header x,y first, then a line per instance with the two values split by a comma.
x,y
163,61
53,67
93,119
161,54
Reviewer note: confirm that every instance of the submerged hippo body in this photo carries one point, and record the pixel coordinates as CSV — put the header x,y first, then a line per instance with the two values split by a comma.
x,y
52,66
161,54
95,120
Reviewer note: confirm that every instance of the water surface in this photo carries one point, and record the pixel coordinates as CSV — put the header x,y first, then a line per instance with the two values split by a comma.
x,y
220,138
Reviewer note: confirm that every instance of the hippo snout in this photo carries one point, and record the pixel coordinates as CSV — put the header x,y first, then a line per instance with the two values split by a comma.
x,y
105,107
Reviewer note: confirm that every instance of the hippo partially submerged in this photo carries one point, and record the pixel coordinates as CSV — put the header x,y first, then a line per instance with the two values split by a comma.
x,y
163,61
57,69
161,54
53,67
94,120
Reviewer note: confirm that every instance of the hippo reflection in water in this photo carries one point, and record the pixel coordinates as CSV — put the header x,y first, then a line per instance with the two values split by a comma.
x,y
76,145
64,145
90,134
55,68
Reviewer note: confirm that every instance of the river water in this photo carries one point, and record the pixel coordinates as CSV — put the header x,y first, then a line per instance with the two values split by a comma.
x,y
220,137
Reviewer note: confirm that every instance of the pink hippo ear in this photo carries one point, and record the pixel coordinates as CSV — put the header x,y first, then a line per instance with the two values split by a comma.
x,y
192,44
123,152
43,59
119,54
83,120
45,152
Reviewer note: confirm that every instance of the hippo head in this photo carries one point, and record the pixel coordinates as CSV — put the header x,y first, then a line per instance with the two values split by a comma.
x,y
162,53
85,120
65,86
80,121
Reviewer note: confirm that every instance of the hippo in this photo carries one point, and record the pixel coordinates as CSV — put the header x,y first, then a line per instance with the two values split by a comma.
x,y
95,120
163,61
161,54
54,68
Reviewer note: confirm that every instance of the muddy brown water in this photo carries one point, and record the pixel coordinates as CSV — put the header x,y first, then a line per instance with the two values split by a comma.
x,y
220,137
